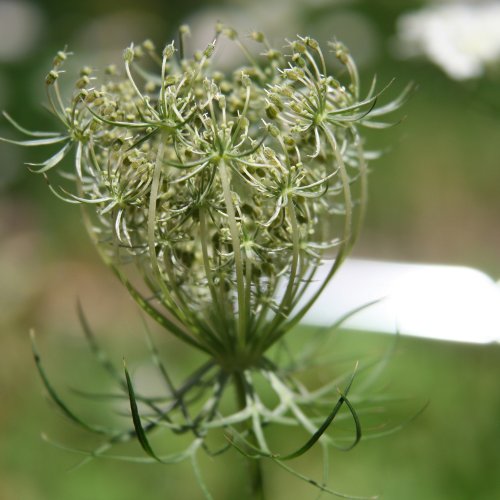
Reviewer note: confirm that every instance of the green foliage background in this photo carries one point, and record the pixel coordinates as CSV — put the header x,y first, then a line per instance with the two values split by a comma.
x,y
433,198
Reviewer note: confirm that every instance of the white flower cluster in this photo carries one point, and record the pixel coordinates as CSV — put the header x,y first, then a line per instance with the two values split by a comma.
x,y
463,39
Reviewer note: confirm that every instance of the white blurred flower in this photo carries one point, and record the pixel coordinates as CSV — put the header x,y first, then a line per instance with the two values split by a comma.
x,y
460,38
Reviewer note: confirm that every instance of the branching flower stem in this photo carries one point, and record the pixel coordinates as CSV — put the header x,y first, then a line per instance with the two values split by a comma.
x,y
347,236
214,198
238,257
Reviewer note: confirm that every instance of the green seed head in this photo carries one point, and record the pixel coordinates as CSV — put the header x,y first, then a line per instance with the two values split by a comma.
x,y
225,191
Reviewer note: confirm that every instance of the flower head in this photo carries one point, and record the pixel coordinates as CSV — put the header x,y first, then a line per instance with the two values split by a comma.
x,y
225,192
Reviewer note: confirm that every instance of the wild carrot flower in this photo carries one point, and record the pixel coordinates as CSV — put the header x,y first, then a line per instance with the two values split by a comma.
x,y
463,39
223,193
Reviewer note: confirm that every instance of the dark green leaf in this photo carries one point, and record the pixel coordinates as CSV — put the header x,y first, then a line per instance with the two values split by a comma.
x,y
139,429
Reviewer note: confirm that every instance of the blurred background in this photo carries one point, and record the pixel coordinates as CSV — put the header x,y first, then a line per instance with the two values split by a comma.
x,y
434,198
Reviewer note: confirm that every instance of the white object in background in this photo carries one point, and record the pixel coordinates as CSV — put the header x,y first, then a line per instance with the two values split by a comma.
x,y
433,301
461,38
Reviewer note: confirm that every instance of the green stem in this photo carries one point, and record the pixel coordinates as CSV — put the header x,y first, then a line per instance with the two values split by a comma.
x,y
347,238
238,258
253,464
287,301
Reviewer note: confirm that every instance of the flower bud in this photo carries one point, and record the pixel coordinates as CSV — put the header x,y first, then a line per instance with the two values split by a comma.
x,y
219,28
86,71
222,101
148,45
257,36
245,79
299,60
294,73
311,42
341,52
272,54
51,77
60,57
272,111
111,70
298,47
273,130
138,52
150,87
208,52
128,54
82,82
184,30
169,50
170,80
231,33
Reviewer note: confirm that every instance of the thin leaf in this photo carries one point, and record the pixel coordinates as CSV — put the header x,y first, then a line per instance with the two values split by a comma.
x,y
144,138
397,428
321,334
59,195
380,125
139,429
173,458
357,425
239,437
36,142
88,201
189,164
259,454
156,315
324,426
115,395
356,117
52,161
157,361
78,160
322,487
199,478
99,353
396,103
26,131
119,124
317,435
56,398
